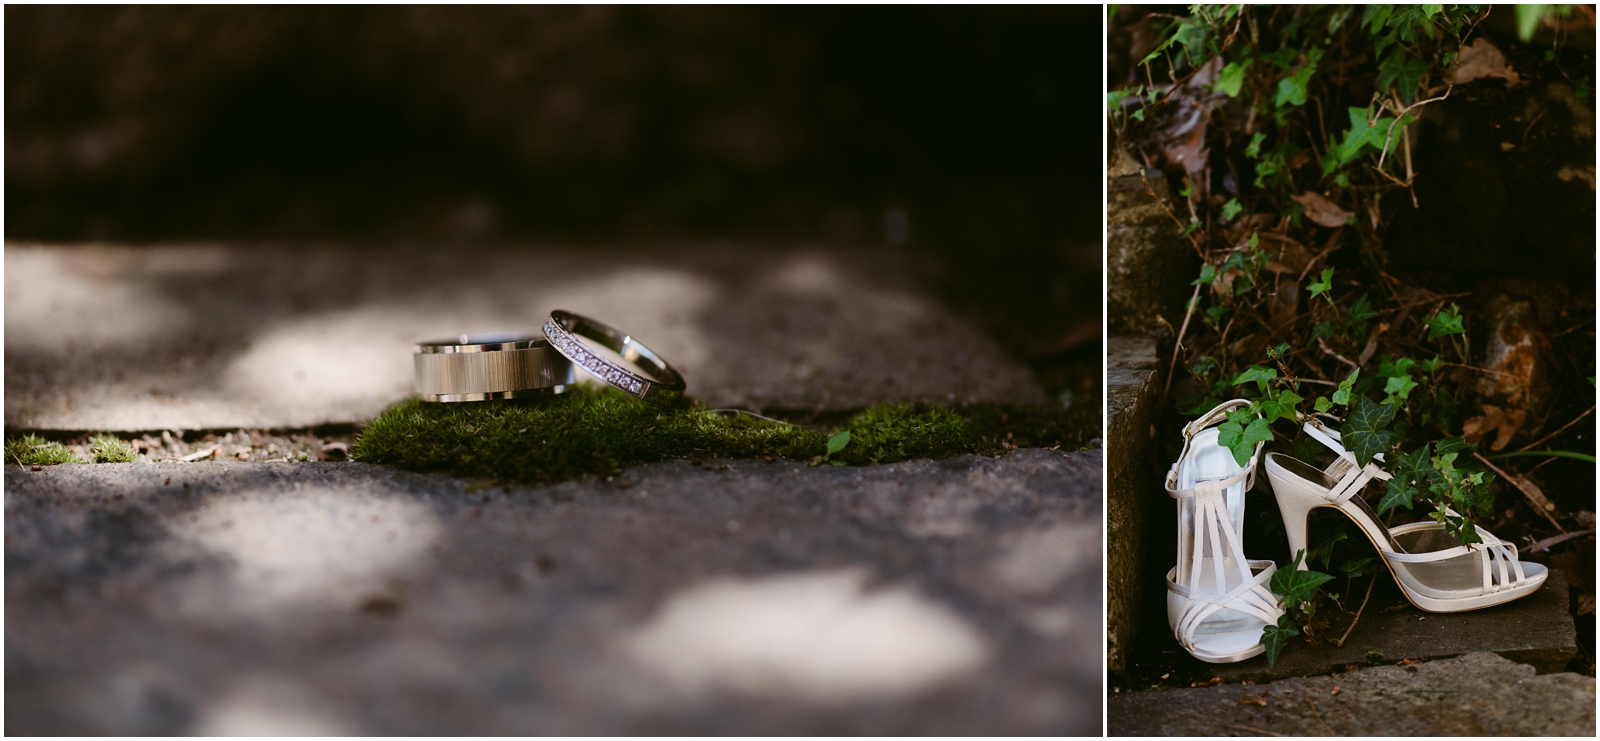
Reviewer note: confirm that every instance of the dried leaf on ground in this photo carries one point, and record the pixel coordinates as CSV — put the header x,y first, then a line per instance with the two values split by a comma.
x,y
1321,210
1285,299
1289,256
1506,421
1482,59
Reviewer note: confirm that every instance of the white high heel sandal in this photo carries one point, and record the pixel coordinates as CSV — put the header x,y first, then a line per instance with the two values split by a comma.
x,y
1217,601
1433,570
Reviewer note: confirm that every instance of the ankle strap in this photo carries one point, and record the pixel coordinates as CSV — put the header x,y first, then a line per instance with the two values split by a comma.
x,y
1208,487
1218,414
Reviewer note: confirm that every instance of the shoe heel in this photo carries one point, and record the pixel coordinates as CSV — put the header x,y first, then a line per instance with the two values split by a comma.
x,y
1295,506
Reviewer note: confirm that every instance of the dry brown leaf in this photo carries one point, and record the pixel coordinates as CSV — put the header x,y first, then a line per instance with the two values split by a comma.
x,y
1321,210
1288,256
1190,151
1481,59
1506,421
1285,302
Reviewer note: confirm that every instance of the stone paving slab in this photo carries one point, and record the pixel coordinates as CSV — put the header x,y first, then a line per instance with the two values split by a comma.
x,y
1478,694
959,596
1536,630
213,337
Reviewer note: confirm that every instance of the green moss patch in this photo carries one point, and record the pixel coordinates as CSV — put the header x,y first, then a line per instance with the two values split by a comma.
x,y
600,430
33,450
110,449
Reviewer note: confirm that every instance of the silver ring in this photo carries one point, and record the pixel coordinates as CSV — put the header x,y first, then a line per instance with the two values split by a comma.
x,y
483,367
563,330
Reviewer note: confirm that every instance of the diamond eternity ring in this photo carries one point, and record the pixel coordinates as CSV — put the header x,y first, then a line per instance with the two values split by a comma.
x,y
563,330
481,367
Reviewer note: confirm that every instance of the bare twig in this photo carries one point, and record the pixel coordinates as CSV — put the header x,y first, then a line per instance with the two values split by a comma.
x,y
1329,351
1333,243
1535,497
1562,429
748,413
1529,130
1372,343
1325,729
1252,730
1177,345
1194,242
1340,643
1550,541
1389,136
1481,370
1573,328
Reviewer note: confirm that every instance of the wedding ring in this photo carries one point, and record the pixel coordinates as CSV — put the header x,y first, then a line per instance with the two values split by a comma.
x,y
563,330
481,367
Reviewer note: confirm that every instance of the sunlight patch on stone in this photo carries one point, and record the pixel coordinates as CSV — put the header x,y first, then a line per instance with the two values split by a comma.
x,y
819,637
57,300
308,548
261,706
1039,561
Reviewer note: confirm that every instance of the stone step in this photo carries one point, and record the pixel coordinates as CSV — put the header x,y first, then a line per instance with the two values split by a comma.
x,y
959,596
1476,694
1536,630
1132,392
212,337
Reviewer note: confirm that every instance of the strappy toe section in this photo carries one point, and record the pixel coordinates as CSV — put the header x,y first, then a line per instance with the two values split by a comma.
x,y
1218,601
1435,571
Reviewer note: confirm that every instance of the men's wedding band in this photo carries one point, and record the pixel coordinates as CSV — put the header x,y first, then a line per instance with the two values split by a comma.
x,y
563,330
482,367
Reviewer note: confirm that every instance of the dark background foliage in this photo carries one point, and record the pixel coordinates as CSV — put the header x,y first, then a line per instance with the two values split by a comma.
x,y
962,132
162,122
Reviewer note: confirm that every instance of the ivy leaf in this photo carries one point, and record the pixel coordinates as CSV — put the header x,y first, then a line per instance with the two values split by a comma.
x,y
1366,431
1294,586
1408,472
1322,330
1320,287
1322,404
1231,209
1431,366
1455,445
1232,78
1241,440
1399,387
1403,71
1274,637
1341,396
838,441
1208,273
1280,406
1253,151
1292,89
1354,566
1258,374
1360,312
1322,544
1395,368
1447,322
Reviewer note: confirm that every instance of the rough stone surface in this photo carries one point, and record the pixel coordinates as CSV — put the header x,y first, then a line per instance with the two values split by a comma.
x,y
949,597
1479,694
1148,262
1131,486
196,337
1536,630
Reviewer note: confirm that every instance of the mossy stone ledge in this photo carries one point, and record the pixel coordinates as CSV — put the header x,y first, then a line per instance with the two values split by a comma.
x,y
598,431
